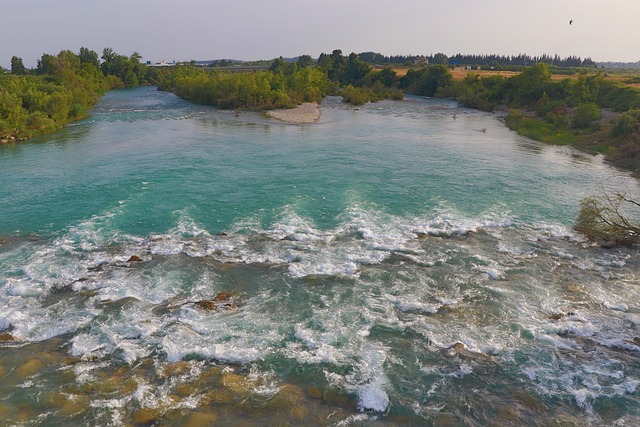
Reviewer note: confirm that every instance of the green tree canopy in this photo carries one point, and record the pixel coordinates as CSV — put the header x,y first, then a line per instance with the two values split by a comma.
x,y
440,59
17,67
305,61
427,80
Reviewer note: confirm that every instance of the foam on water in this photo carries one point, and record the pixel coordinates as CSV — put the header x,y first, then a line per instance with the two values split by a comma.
x,y
406,290
496,289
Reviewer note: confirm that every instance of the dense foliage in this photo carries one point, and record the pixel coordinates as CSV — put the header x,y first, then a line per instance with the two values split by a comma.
x,y
285,85
569,111
426,81
61,89
496,61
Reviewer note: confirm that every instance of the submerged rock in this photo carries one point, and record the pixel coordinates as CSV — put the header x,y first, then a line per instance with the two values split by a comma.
x,y
560,316
461,350
206,305
146,416
68,404
201,419
29,368
6,337
634,341
236,383
223,300
222,296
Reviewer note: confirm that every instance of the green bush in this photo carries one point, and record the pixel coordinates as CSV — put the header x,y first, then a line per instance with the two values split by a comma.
x,y
585,115
626,123
355,96
539,130
39,121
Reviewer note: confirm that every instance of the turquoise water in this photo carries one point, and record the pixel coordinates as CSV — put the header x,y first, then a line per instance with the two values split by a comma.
x,y
413,258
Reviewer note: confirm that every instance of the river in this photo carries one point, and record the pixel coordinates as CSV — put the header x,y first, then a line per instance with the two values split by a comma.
x,y
401,263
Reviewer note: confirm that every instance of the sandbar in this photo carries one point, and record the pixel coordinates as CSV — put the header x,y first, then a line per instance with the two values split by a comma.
x,y
307,112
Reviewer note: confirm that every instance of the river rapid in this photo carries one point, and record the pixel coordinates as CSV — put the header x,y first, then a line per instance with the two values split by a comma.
x,y
401,263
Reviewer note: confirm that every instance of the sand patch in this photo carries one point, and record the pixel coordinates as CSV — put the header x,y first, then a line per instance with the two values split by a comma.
x,y
303,113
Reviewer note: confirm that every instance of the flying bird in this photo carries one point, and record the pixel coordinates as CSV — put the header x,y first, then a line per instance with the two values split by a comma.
x,y
571,22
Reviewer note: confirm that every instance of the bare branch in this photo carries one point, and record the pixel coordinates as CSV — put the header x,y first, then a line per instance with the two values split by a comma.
x,y
606,219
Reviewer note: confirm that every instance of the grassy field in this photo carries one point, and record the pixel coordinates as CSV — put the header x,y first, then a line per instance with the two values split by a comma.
x,y
459,74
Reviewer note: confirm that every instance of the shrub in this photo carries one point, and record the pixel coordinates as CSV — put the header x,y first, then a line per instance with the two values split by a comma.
x,y
626,123
585,115
355,96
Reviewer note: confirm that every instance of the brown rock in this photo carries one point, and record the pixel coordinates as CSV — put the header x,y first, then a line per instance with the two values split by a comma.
x,y
29,368
218,397
6,337
223,300
184,390
235,382
315,392
299,412
222,296
201,419
146,416
509,413
134,258
529,401
177,368
458,347
634,341
446,419
206,305
68,404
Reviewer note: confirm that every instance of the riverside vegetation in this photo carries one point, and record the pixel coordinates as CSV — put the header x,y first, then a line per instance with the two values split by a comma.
x,y
589,112
62,88
285,84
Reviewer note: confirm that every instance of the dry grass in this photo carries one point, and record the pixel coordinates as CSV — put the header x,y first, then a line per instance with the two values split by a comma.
x,y
459,74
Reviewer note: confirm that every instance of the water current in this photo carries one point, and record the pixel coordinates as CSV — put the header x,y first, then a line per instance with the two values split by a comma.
x,y
401,263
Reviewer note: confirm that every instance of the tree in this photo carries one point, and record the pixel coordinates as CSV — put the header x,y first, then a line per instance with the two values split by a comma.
x,y
338,62
440,58
529,86
46,64
304,61
607,220
280,66
89,57
17,67
426,81
387,77
354,70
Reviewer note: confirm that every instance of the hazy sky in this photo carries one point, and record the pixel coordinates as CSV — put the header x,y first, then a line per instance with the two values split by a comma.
x,y
605,30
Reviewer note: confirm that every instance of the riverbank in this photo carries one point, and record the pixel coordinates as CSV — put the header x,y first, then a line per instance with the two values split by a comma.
x,y
307,112
621,152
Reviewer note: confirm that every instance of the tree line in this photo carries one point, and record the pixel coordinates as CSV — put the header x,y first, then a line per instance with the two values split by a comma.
x,y
498,61
284,84
62,88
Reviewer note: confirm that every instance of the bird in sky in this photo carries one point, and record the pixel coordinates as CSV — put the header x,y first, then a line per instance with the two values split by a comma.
x,y
571,22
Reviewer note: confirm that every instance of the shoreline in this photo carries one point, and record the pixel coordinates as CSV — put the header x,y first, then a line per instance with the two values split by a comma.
x,y
307,112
